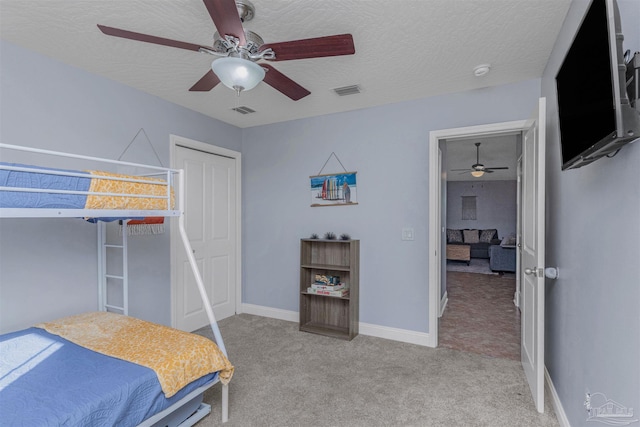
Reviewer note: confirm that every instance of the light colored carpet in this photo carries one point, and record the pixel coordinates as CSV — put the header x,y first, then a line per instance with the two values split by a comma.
x,y
476,265
285,377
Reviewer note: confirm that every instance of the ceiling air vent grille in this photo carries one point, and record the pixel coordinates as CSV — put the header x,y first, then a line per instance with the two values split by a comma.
x,y
244,110
347,90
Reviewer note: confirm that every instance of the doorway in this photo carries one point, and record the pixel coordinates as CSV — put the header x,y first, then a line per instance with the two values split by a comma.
x,y
212,222
531,246
479,214
437,233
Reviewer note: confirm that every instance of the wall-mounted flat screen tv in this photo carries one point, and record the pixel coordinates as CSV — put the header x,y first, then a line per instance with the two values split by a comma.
x,y
595,115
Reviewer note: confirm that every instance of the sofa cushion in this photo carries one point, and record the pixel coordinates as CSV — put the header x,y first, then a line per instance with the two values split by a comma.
x,y
486,236
471,236
454,236
508,241
480,250
502,259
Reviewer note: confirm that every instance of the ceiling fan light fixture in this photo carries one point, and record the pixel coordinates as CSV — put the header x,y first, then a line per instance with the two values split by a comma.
x,y
477,174
237,73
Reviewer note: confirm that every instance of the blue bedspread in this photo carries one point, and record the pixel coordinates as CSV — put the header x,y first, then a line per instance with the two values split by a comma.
x,y
15,199
46,380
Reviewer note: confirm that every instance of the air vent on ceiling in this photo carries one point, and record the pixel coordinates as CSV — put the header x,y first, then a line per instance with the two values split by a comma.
x,y
347,90
244,110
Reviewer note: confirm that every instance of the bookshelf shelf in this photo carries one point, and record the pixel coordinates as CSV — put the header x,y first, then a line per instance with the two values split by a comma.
x,y
325,296
326,267
330,315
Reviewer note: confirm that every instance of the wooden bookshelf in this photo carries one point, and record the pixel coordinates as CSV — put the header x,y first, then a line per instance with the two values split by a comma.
x,y
327,315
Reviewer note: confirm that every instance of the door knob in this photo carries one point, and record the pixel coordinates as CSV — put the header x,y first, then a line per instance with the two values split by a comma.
x,y
531,271
549,272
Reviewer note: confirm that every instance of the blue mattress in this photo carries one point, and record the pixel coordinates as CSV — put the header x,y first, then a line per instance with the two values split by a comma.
x,y
46,380
16,199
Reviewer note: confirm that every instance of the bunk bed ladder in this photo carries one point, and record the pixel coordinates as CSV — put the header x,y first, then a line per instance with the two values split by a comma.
x,y
104,276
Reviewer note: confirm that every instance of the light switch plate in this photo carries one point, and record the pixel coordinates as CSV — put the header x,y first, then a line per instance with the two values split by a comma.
x,y
407,234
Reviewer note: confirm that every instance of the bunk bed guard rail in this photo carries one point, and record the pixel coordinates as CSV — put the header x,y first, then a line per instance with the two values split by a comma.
x,y
173,182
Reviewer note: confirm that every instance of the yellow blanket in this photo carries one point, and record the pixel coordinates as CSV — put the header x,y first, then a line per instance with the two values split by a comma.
x,y
177,357
156,187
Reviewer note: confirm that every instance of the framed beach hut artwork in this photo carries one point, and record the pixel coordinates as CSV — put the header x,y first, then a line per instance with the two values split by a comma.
x,y
336,189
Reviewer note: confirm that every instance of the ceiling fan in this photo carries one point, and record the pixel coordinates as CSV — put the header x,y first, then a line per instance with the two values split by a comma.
x,y
478,169
240,49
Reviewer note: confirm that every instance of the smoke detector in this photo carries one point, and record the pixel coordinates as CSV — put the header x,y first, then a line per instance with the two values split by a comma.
x,y
481,70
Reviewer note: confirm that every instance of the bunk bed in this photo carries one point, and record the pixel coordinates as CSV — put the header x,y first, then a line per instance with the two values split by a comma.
x,y
108,390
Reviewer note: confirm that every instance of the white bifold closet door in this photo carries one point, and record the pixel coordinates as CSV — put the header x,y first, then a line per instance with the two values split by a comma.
x,y
210,219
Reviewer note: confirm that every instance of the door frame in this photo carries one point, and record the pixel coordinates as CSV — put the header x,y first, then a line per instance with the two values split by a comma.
x,y
517,298
176,141
435,201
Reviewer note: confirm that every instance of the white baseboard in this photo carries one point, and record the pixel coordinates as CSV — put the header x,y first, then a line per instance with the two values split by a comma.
x,y
443,302
274,313
555,400
402,335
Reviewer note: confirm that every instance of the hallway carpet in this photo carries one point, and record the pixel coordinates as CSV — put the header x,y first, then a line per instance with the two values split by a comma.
x,y
480,316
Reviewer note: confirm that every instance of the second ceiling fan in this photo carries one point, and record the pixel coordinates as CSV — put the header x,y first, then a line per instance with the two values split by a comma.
x,y
478,169
240,49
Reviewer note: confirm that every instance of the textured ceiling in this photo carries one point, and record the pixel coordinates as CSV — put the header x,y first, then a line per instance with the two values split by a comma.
x,y
405,49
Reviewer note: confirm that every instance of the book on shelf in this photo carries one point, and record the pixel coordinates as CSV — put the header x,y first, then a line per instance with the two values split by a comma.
x,y
338,293
327,280
326,287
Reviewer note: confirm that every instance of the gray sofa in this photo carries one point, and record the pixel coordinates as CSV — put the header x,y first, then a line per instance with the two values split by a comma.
x,y
502,258
480,242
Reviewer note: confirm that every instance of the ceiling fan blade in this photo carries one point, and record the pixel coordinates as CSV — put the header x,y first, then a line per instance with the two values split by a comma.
x,y
458,170
341,44
110,31
284,84
224,14
206,83
496,168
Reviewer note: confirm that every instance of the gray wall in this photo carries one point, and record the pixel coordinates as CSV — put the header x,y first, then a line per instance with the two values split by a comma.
x,y
593,230
495,205
48,267
388,147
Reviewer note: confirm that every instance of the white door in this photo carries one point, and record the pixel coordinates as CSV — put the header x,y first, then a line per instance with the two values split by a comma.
x,y
210,222
533,245
516,297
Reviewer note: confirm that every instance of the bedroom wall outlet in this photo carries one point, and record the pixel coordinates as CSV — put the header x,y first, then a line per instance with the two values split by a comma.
x,y
407,234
